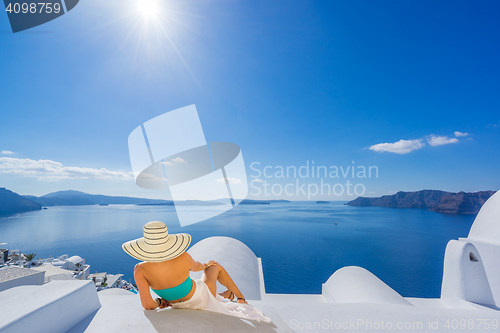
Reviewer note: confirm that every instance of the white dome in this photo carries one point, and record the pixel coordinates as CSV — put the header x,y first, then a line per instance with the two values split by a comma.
x,y
486,227
237,258
75,259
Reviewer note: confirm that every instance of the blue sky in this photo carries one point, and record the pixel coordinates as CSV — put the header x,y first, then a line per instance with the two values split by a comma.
x,y
288,81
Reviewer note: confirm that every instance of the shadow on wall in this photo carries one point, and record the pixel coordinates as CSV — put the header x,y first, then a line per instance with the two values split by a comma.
x,y
175,320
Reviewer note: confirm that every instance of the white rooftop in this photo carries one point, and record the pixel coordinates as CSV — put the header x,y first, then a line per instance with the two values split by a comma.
x,y
98,275
51,270
13,272
75,259
111,279
352,299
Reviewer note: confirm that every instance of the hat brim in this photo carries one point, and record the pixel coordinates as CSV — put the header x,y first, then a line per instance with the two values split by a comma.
x,y
172,247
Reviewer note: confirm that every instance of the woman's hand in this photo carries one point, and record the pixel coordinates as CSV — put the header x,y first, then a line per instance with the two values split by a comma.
x,y
164,304
210,263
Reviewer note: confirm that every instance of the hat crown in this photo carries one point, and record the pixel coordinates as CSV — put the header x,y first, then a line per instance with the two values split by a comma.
x,y
155,232
157,245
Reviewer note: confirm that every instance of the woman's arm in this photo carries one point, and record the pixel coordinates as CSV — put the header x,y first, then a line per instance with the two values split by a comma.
x,y
148,303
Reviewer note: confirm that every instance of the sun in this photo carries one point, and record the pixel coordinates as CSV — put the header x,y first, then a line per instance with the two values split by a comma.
x,y
154,30
148,8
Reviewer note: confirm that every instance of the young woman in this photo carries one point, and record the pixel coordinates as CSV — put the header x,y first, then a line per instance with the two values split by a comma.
x,y
166,268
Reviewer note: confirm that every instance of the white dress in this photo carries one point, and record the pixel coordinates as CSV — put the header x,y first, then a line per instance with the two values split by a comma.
x,y
204,300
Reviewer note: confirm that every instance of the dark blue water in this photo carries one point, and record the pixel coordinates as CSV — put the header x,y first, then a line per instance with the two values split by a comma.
x,y
299,243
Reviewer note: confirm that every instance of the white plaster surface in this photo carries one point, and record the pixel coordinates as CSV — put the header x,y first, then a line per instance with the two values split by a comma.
x,y
54,307
354,284
464,277
362,317
53,272
11,277
377,307
123,313
490,255
486,227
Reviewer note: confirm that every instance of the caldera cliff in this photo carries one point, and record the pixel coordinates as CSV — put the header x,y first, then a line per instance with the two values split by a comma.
x,y
438,201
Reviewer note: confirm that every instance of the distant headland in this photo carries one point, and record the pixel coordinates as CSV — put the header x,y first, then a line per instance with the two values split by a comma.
x,y
437,201
13,203
77,198
260,202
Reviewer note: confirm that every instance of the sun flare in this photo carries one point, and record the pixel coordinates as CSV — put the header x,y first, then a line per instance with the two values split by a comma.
x,y
148,8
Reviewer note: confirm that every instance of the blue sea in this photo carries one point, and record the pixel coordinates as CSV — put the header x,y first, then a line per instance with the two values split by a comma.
x,y
299,242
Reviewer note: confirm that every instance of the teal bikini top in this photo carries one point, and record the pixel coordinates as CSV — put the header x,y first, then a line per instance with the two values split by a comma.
x,y
178,292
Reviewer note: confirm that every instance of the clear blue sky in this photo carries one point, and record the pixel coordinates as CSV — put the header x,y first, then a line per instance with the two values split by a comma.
x,y
288,81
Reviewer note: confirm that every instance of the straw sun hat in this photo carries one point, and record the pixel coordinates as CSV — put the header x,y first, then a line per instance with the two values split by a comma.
x,y
157,245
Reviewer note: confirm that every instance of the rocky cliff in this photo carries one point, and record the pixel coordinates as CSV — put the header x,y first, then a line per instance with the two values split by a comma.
x,y
438,201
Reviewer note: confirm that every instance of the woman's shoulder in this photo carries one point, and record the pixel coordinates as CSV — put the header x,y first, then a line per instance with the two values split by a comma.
x,y
140,266
183,260
143,268
185,256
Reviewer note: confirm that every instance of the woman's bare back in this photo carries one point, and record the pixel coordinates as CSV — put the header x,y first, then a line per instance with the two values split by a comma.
x,y
166,274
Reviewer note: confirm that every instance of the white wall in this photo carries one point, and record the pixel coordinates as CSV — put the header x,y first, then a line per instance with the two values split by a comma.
x,y
464,277
36,278
55,307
